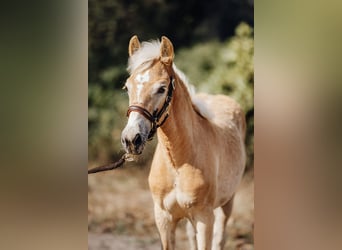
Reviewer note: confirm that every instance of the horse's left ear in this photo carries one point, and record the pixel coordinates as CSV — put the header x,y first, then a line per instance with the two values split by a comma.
x,y
166,51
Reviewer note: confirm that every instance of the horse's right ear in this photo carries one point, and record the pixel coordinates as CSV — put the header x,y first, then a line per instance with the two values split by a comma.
x,y
166,51
134,45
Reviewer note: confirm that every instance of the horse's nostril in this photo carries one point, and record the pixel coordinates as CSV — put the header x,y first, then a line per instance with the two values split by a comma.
x,y
126,141
137,140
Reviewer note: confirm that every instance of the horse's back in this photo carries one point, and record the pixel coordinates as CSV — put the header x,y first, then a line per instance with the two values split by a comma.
x,y
222,110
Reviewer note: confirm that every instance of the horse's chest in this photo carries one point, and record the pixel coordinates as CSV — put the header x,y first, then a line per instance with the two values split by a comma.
x,y
179,198
179,189
189,189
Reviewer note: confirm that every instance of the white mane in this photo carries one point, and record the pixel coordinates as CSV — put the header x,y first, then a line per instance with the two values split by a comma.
x,y
143,58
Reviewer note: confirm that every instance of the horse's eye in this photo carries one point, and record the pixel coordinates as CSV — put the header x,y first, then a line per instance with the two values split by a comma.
x,y
161,90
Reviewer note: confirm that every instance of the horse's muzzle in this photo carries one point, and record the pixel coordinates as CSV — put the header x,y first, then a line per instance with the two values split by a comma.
x,y
133,145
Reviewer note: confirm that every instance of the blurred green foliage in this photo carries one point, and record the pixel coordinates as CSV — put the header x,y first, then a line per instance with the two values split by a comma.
x,y
113,22
211,48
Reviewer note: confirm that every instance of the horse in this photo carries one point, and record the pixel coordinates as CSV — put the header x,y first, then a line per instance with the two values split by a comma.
x,y
200,156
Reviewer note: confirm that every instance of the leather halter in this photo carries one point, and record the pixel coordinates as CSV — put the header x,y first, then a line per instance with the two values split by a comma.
x,y
156,116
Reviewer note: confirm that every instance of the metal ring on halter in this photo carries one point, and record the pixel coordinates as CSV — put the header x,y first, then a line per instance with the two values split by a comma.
x,y
155,117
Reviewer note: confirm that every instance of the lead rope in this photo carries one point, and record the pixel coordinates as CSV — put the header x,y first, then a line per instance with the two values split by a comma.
x,y
125,157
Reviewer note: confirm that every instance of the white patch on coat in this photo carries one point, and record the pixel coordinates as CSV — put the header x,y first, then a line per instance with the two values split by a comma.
x,y
170,200
134,119
132,128
141,79
137,123
184,199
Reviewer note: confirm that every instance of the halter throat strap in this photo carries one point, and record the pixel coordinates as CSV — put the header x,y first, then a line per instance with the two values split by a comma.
x,y
157,115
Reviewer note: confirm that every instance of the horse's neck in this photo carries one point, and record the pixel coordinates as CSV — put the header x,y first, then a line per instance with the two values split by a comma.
x,y
176,135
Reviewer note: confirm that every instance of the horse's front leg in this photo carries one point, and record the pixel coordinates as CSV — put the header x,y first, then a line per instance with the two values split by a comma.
x,y
221,217
166,226
204,221
191,231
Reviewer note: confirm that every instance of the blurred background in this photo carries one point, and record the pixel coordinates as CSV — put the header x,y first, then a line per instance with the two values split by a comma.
x,y
214,47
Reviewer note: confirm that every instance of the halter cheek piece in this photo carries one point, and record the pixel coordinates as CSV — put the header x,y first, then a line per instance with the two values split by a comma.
x,y
156,116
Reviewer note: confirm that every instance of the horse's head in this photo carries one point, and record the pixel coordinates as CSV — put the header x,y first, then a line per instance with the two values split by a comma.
x,y
149,88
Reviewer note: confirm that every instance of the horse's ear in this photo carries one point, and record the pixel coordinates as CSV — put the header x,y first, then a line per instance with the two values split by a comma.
x,y
166,51
134,45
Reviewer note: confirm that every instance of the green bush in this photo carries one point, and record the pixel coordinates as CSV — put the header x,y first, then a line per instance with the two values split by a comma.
x,y
106,118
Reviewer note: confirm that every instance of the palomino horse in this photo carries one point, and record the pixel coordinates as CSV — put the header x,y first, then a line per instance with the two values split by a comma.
x,y
200,156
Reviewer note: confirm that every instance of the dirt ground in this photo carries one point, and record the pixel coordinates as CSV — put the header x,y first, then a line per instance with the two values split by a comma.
x,y
120,213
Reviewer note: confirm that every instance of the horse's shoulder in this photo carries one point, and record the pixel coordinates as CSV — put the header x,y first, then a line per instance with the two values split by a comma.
x,y
161,177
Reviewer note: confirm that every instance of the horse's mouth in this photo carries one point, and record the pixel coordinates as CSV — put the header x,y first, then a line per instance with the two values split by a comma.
x,y
134,152
135,149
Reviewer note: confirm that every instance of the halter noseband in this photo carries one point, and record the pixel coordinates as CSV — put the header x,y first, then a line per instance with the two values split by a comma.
x,y
155,117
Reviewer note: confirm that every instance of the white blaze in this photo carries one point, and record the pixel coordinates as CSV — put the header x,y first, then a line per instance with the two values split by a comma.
x,y
141,79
